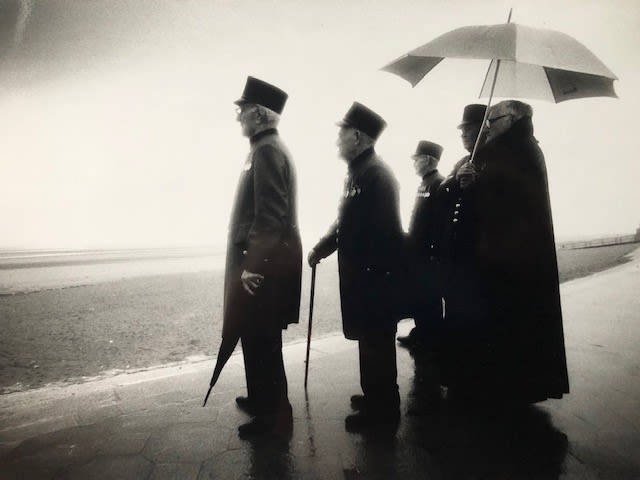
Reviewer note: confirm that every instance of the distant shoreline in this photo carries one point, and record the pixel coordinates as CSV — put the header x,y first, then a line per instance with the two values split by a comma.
x,y
23,272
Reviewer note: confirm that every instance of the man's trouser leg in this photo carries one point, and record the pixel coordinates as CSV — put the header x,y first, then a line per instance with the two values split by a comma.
x,y
429,324
378,370
264,368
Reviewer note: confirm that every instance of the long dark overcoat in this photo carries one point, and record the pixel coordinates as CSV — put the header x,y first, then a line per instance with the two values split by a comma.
x,y
421,227
505,235
263,238
422,272
368,236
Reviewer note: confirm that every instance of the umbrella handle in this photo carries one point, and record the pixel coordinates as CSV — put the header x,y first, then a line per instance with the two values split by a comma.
x,y
313,288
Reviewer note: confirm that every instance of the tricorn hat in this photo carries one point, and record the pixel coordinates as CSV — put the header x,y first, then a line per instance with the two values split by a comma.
x,y
428,148
473,113
263,93
364,119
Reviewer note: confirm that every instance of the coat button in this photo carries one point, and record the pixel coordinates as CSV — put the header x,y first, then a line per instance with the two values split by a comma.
x,y
455,220
457,205
456,213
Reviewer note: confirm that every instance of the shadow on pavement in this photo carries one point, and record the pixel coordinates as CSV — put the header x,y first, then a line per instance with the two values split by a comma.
x,y
482,440
270,459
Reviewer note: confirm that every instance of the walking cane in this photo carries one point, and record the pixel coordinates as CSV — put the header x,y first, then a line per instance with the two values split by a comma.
x,y
313,289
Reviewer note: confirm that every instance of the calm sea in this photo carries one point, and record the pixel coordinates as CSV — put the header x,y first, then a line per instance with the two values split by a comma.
x,y
23,271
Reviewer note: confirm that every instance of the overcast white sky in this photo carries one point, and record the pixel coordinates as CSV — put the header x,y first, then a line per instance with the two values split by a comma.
x,y
118,127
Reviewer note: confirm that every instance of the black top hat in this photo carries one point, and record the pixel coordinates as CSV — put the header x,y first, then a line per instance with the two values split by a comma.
x,y
364,119
263,93
473,113
428,148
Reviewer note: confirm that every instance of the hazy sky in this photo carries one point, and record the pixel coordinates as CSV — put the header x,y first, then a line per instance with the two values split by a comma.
x,y
118,126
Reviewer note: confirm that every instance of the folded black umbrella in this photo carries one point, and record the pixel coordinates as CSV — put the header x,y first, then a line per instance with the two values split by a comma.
x,y
226,349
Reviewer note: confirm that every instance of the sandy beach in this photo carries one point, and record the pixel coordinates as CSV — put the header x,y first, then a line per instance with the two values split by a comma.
x,y
95,319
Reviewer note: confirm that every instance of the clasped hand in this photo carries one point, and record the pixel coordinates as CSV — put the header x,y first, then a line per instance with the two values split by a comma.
x,y
466,175
251,281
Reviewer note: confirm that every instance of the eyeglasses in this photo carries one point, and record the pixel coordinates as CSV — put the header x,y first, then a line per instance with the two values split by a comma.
x,y
243,109
495,119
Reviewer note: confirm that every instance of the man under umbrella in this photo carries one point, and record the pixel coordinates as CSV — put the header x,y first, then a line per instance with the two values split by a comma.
x,y
509,245
368,238
264,261
460,282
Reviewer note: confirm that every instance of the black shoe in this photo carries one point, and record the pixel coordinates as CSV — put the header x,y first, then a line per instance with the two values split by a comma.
x,y
259,426
378,421
408,341
245,405
358,402
278,425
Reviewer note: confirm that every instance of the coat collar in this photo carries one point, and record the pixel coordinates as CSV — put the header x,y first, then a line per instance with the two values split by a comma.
x,y
430,176
520,131
269,131
365,154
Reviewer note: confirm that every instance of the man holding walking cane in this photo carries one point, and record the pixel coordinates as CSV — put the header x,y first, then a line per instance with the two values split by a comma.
x,y
368,237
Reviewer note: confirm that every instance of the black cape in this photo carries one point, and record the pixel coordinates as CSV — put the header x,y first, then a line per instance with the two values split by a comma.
x,y
504,242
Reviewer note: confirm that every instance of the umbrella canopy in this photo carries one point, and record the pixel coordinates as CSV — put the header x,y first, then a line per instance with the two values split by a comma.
x,y
533,63
227,346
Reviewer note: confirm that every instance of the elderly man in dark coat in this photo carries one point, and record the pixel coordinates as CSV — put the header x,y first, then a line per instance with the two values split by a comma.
x,y
512,248
368,238
421,252
463,339
264,260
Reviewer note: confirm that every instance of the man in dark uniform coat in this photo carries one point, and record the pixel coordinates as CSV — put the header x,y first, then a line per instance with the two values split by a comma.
x,y
264,260
513,249
420,245
454,229
368,237
463,337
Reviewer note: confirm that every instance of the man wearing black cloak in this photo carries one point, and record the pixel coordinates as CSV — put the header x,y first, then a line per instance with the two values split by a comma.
x,y
510,245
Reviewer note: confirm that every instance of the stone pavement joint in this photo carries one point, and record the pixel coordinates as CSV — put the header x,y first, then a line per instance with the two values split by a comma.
x,y
151,425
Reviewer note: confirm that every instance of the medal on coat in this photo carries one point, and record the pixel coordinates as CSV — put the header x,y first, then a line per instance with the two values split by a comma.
x,y
248,163
351,190
423,192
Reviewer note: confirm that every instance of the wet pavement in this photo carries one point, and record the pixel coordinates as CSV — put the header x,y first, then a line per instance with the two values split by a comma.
x,y
151,425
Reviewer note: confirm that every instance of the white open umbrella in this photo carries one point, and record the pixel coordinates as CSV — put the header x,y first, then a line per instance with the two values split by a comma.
x,y
526,62
534,63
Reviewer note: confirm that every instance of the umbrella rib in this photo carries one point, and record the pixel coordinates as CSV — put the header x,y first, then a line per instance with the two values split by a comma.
x,y
546,77
413,84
